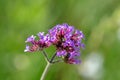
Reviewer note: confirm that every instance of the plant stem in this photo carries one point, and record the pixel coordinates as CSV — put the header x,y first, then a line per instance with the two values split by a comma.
x,y
46,56
52,58
57,61
45,71
49,62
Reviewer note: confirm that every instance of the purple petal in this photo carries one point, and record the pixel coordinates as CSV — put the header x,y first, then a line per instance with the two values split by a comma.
x,y
41,35
68,43
73,61
61,53
27,49
83,45
81,35
31,39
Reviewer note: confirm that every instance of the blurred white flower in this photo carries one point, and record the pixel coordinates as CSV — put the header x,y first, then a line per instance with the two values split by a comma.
x,y
92,67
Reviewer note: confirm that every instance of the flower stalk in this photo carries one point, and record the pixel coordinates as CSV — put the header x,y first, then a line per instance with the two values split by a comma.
x,y
49,62
45,71
46,56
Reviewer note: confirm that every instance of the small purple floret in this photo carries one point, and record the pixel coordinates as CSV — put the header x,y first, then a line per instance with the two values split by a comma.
x,y
27,49
31,39
41,35
61,53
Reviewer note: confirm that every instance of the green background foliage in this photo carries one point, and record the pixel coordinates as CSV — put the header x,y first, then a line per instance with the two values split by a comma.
x,y
98,19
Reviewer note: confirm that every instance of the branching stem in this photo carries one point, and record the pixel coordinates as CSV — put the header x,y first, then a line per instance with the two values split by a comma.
x,y
49,62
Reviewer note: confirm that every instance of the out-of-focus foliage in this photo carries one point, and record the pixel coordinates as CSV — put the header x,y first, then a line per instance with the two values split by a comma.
x,y
98,19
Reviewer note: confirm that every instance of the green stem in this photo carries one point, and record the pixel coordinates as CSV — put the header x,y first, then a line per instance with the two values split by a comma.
x,y
46,56
49,62
53,58
45,71
56,61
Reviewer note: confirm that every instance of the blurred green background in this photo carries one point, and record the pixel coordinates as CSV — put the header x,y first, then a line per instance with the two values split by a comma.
x,y
98,19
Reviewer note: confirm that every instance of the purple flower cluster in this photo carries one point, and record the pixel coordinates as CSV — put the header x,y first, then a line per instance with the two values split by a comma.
x,y
66,39
43,42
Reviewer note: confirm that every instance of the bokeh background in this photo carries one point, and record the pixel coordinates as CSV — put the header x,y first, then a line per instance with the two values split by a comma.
x,y
98,19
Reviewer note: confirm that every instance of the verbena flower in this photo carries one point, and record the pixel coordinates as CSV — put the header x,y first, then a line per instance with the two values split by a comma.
x,y
35,45
66,39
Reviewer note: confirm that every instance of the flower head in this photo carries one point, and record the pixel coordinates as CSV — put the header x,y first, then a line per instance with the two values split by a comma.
x,y
66,39
35,45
